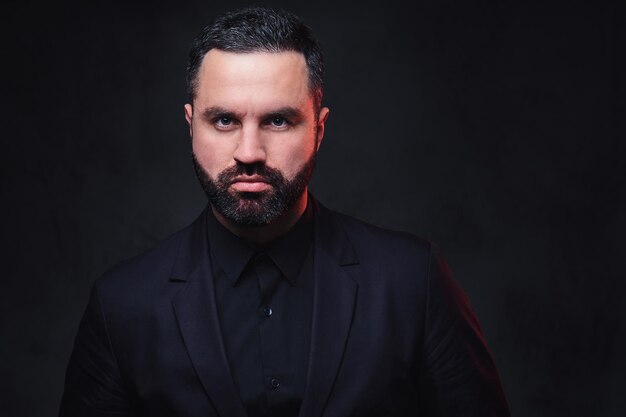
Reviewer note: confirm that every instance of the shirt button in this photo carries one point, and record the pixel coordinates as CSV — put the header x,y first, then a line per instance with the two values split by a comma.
x,y
267,311
275,383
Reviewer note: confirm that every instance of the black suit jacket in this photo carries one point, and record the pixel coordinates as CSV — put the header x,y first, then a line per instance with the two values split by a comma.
x,y
393,335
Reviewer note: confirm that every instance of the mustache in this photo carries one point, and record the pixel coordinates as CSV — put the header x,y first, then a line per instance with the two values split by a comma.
x,y
270,175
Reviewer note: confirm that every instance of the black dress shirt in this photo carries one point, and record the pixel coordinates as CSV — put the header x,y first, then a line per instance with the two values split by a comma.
x,y
264,298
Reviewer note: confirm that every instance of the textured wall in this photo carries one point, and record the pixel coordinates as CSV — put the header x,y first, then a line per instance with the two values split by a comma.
x,y
496,130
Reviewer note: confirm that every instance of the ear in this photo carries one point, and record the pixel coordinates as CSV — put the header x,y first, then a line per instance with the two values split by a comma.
x,y
321,121
189,116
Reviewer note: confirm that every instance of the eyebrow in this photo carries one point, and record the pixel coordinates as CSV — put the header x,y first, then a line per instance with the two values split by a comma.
x,y
214,112
287,112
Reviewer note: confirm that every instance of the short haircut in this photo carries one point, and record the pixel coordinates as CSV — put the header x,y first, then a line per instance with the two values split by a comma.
x,y
258,29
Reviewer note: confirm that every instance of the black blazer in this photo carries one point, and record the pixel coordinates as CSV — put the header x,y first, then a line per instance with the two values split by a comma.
x,y
393,334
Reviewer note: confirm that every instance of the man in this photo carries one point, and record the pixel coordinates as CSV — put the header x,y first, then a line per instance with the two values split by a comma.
x,y
270,304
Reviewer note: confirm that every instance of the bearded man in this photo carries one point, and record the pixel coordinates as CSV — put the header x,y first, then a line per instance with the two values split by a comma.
x,y
270,304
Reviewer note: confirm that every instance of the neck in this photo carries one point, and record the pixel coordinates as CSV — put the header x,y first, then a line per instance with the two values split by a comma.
x,y
262,235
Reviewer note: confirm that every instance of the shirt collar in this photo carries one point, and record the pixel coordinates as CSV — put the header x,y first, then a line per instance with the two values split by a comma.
x,y
289,251
232,254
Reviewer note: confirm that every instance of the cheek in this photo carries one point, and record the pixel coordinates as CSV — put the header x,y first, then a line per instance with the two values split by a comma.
x,y
213,156
291,157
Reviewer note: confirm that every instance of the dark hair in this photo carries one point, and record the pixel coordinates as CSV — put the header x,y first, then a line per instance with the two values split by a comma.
x,y
255,29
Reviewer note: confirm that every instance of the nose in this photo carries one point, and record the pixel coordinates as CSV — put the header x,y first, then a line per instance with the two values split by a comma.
x,y
250,149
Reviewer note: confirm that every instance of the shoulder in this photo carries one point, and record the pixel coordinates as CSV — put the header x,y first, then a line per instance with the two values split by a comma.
x,y
365,232
365,235
391,268
374,244
152,269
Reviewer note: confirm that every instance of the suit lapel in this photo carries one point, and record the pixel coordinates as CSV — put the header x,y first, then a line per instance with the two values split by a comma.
x,y
333,308
196,312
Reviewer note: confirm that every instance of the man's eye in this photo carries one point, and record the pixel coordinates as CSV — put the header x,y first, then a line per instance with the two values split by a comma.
x,y
279,122
224,121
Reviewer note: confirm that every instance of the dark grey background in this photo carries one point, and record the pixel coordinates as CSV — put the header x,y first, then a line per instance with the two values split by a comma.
x,y
495,129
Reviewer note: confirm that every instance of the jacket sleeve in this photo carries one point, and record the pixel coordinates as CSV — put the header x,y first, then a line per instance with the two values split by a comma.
x,y
93,384
459,376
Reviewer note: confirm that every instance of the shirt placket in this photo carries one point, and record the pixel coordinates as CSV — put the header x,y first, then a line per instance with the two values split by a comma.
x,y
269,277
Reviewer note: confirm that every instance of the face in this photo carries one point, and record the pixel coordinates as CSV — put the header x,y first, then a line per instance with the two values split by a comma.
x,y
254,133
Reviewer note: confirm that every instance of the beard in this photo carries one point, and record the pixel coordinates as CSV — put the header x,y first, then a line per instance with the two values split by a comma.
x,y
254,208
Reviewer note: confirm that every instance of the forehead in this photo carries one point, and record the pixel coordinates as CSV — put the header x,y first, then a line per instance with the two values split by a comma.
x,y
252,77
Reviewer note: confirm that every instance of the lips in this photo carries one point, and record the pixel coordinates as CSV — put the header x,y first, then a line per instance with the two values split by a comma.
x,y
250,178
250,183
